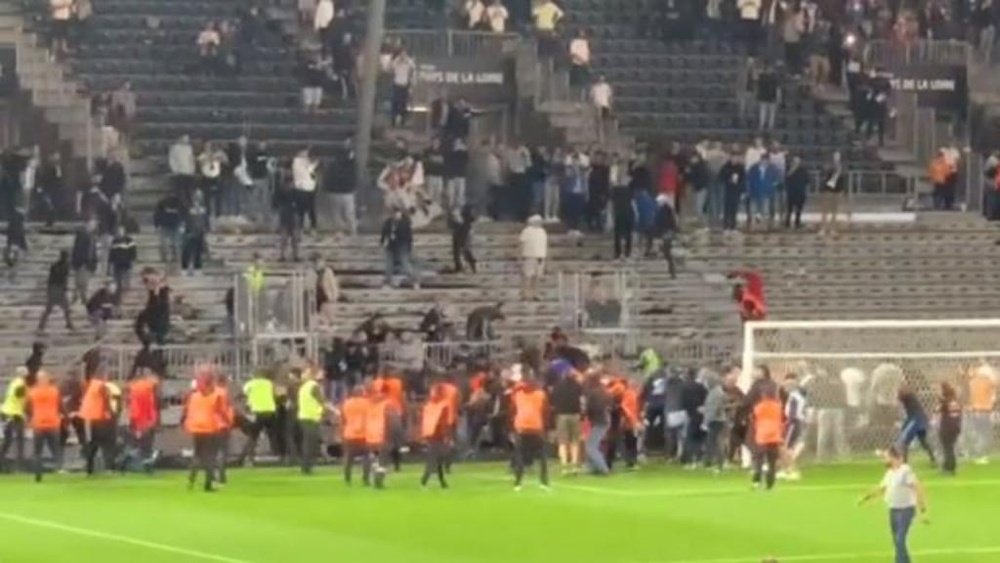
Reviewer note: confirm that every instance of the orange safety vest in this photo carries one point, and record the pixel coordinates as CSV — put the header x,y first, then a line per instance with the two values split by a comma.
x,y
982,392
93,406
142,408
432,416
630,408
202,414
529,411
375,422
44,401
353,413
393,387
767,422
454,398
228,415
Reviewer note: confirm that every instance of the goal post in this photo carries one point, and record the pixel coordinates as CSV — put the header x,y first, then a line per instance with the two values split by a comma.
x,y
852,371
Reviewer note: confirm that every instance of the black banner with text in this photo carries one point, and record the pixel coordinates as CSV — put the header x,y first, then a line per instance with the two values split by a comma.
x,y
943,87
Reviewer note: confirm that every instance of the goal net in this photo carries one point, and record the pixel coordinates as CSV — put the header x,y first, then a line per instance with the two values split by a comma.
x,y
852,372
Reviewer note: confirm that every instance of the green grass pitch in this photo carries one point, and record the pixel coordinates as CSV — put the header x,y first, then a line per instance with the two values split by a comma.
x,y
656,515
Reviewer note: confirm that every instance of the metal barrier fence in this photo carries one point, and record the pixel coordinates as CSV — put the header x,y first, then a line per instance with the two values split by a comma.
x,y
418,354
453,43
889,54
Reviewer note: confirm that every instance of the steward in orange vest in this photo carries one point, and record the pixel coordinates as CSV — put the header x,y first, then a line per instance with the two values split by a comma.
x,y
376,436
435,431
227,419
353,418
768,429
203,418
98,417
530,405
44,408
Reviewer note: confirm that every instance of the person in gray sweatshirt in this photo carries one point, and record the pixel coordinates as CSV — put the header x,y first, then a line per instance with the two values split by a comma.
x,y
714,417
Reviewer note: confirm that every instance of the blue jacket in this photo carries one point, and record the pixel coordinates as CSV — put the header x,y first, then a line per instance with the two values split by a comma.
x,y
645,207
762,180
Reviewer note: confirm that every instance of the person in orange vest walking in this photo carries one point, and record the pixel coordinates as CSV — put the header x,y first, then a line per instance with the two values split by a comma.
x,y
377,417
768,429
436,432
44,408
631,423
530,405
203,418
353,416
144,413
454,397
97,414
226,420
396,393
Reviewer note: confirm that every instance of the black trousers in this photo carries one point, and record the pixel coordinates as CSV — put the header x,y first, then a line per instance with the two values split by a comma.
x,y
461,250
765,454
310,444
623,239
307,208
528,448
191,252
101,436
262,422
631,443
46,439
796,202
222,445
13,435
353,449
375,465
730,208
204,458
55,299
79,429
437,457
948,437
668,253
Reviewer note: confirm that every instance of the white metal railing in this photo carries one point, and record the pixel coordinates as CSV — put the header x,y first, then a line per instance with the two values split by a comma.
x,y
454,43
890,54
443,354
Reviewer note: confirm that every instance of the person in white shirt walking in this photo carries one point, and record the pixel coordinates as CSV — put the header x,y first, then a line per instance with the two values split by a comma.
x,y
601,95
534,250
403,69
904,495
304,181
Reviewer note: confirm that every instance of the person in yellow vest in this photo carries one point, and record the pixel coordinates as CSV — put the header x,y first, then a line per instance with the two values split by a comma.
x,y
44,410
261,408
12,416
311,408
435,431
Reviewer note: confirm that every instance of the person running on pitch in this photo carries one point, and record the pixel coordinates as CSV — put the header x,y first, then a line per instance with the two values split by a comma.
x,y
203,418
44,411
353,414
530,405
904,495
376,439
12,416
436,431
312,405
914,426
768,435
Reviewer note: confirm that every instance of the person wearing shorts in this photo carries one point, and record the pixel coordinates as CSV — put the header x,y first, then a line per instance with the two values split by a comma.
x,y
567,399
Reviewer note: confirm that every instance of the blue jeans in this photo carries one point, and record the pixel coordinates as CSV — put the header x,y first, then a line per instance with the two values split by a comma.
x,y
400,258
595,458
170,245
900,520
538,197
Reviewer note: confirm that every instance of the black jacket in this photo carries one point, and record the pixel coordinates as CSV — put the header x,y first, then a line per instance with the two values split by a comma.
x,y
123,253
397,235
59,275
797,183
169,213
340,175
666,221
733,176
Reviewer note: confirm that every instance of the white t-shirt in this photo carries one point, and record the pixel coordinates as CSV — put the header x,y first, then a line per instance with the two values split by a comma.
x,y
534,242
752,156
600,94
303,174
324,14
854,381
211,166
402,71
61,9
579,51
900,487
497,15
952,156
749,9
474,9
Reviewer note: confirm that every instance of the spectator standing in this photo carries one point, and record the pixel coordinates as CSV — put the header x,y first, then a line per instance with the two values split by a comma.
x,y
828,396
340,181
210,164
793,27
83,260
574,194
877,106
534,251
762,186
547,15
304,185
460,222
981,403
123,109
597,405
456,169
397,242
168,218
208,42
696,176
492,171
100,307
49,187
327,289
832,192
796,187
323,20
750,25
579,58
195,229
601,95
313,76
289,221
475,13
403,70
56,287
942,176
153,322
61,13
665,228
518,160
121,259
768,98
182,166
537,174
645,218
598,192
261,168
554,177
714,425
732,176
496,17
433,160
238,182
567,406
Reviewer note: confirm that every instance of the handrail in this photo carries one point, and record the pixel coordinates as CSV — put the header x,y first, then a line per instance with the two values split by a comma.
x,y
892,54
453,43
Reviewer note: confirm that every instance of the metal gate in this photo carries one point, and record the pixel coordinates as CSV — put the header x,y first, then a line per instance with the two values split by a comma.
x,y
600,308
